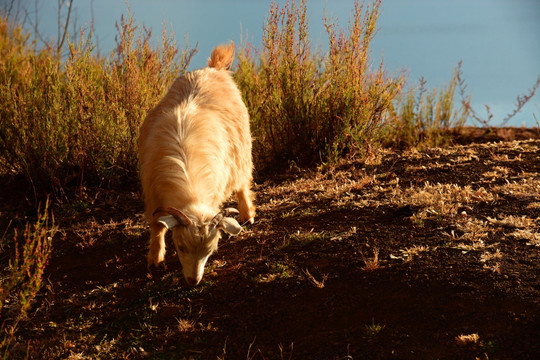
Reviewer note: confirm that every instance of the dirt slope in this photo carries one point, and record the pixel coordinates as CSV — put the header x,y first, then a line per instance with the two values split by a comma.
x,y
432,255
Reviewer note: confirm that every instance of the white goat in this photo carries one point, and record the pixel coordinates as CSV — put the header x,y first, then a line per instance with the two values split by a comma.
x,y
194,152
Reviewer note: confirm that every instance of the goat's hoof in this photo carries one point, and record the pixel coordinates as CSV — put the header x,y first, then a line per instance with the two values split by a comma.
x,y
156,263
153,267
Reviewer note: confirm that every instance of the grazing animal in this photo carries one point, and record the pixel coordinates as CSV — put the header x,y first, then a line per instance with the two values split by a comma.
x,y
194,152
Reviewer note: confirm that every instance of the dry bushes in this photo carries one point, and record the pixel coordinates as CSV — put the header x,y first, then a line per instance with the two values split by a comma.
x,y
309,107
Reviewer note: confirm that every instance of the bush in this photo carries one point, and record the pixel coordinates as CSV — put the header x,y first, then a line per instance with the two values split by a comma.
x,y
75,122
308,107
422,118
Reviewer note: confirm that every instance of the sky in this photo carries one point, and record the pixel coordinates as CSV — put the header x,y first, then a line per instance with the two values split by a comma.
x,y
497,40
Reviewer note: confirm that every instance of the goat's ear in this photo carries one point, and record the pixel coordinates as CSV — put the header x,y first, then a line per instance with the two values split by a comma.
x,y
168,221
230,226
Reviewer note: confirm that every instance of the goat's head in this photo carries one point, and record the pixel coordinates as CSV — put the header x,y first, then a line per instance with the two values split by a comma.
x,y
194,240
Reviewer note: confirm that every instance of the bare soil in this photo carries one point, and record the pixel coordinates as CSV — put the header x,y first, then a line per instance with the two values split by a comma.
x,y
431,255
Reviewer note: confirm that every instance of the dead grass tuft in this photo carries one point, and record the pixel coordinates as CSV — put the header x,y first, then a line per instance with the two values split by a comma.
x,y
371,264
414,251
524,187
443,199
463,340
514,221
533,237
317,283
487,256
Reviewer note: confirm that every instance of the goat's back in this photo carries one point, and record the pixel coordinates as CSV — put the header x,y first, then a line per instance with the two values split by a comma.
x,y
195,145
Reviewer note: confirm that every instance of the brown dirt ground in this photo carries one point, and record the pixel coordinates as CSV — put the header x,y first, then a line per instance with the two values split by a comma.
x,y
431,255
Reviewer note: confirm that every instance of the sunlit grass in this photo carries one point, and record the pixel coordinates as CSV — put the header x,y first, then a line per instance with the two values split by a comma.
x,y
423,117
74,121
307,106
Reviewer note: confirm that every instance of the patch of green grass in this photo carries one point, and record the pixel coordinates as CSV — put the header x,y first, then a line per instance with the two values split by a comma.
x,y
372,330
491,347
305,238
282,270
276,270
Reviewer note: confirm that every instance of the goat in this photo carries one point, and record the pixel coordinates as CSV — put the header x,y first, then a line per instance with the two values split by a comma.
x,y
194,152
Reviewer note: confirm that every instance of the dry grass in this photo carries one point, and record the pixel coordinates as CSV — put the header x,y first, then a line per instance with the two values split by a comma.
x,y
487,256
443,199
317,283
371,263
410,253
514,221
463,339
473,230
528,186
532,236
319,230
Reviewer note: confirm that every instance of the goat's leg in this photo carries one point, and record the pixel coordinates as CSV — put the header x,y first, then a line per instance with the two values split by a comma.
x,y
156,253
245,205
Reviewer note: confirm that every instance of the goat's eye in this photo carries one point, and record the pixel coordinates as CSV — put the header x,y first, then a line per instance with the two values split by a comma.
x,y
181,249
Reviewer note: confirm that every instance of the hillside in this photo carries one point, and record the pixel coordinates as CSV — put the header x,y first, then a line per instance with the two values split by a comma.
x,y
415,255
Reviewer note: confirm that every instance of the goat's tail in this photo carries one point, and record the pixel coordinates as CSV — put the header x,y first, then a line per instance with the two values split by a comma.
x,y
222,57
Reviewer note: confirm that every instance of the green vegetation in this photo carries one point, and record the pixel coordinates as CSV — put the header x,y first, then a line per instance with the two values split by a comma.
x,y
422,118
373,329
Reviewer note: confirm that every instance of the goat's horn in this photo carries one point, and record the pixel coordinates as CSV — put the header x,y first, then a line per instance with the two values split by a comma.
x,y
220,215
178,215
230,211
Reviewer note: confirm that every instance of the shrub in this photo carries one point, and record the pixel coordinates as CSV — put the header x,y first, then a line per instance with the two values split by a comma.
x,y
521,101
309,107
422,118
76,121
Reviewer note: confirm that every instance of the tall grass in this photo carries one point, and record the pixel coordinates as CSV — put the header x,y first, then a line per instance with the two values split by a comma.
x,y
422,117
24,277
72,122
309,107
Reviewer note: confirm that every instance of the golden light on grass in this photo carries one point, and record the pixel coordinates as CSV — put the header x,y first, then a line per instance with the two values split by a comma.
x,y
463,339
185,325
513,221
317,283
416,250
444,199
487,256
528,186
532,237
371,264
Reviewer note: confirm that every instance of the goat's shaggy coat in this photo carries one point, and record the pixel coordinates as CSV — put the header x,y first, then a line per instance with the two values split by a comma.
x,y
194,152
